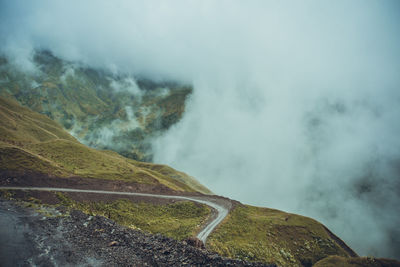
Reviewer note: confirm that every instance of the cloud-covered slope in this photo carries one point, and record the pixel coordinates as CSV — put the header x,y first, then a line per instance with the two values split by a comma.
x,y
101,109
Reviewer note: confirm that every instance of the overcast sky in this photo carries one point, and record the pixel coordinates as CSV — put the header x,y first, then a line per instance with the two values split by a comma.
x,y
295,103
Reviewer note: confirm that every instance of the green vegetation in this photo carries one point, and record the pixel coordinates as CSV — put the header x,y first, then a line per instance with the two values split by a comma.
x,y
16,159
170,173
268,235
32,142
103,110
19,124
178,220
337,261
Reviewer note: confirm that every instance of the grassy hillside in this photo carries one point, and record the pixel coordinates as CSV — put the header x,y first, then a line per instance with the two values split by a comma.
x,y
101,109
21,125
32,142
337,261
268,235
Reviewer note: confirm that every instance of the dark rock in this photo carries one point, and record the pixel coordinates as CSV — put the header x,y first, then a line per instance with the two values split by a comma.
x,y
195,242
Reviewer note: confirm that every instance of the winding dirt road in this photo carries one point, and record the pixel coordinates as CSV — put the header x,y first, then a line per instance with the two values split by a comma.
x,y
222,207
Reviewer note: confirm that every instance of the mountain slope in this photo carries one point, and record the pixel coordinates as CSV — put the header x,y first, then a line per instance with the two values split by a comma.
x,y
32,142
101,109
269,235
333,261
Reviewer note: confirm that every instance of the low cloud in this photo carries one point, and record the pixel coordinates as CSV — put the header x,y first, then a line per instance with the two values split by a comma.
x,y
126,85
295,104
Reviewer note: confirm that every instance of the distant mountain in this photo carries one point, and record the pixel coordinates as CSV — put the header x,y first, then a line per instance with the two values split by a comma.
x,y
33,143
101,109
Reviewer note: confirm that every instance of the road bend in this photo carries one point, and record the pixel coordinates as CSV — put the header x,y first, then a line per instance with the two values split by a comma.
x,y
222,211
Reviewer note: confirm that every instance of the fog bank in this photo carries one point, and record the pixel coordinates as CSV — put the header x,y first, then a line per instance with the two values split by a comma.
x,y
295,103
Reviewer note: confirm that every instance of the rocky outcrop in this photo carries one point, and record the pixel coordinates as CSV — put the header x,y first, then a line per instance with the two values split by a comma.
x,y
195,242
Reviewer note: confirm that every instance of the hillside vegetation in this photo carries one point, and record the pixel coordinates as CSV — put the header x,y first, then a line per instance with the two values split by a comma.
x,y
337,261
32,142
103,110
268,235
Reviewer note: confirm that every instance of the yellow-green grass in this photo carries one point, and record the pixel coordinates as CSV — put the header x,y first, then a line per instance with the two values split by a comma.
x,y
16,159
19,124
178,220
77,159
337,261
273,236
80,160
176,175
32,142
